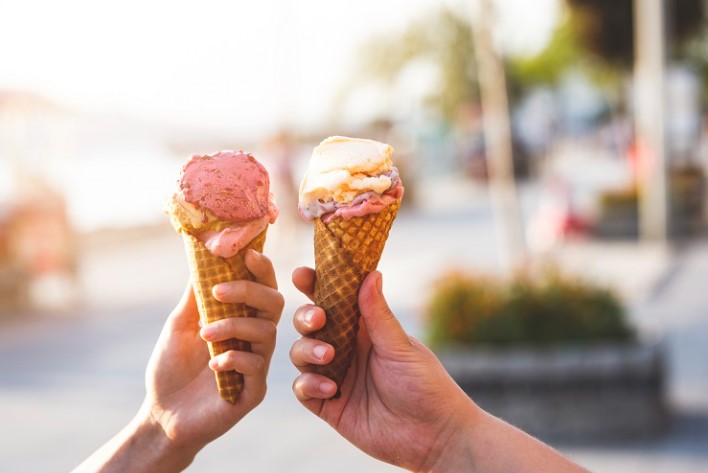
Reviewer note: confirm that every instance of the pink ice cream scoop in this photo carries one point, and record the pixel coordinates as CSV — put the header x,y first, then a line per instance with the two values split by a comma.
x,y
223,187
232,185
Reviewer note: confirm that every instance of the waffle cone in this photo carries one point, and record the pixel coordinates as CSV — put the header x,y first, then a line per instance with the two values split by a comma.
x,y
345,252
208,270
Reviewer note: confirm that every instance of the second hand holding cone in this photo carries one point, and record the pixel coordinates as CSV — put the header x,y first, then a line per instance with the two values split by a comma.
x,y
353,194
222,207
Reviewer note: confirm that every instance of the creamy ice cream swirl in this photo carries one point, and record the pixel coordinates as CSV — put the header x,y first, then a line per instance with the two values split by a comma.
x,y
362,204
349,177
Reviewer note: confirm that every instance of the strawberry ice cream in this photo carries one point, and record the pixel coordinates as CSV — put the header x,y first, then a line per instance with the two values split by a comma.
x,y
224,200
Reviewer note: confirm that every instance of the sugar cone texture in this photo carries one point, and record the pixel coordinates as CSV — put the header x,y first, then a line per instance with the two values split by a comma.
x,y
208,270
345,252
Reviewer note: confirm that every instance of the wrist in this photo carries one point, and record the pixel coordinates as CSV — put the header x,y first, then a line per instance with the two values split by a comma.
x,y
157,451
141,446
455,446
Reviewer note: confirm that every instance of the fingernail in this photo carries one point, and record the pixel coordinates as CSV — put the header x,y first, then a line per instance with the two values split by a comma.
x,y
326,387
319,351
217,290
379,282
214,363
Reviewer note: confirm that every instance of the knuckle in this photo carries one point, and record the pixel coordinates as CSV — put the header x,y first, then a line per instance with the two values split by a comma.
x,y
298,388
239,291
279,302
297,353
294,358
259,364
264,262
298,315
270,330
261,393
231,358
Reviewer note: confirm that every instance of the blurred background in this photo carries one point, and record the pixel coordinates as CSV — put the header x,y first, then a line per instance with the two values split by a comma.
x,y
555,151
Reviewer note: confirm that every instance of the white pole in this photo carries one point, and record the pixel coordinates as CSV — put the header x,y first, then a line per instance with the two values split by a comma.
x,y
650,110
497,136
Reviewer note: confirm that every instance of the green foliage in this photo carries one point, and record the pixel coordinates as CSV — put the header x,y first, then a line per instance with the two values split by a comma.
x,y
563,53
695,53
552,309
548,66
444,39
595,36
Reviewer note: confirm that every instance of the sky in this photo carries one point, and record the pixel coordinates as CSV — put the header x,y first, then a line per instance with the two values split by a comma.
x,y
218,68
220,64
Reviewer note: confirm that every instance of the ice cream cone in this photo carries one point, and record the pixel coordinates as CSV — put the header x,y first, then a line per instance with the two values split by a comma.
x,y
222,206
208,270
352,191
345,252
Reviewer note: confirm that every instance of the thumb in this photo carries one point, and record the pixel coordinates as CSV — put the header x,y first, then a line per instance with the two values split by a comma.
x,y
383,327
185,313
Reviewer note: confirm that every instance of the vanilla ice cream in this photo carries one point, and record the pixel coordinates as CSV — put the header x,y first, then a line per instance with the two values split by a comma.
x,y
349,177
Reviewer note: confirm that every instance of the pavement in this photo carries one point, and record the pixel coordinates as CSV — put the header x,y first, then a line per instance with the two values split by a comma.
x,y
71,379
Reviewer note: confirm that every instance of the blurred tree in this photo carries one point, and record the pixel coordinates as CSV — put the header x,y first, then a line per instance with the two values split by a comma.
x,y
443,38
548,66
596,36
695,52
563,52
593,35
605,27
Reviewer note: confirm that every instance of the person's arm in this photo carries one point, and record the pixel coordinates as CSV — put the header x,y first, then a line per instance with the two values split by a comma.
x,y
182,410
497,446
141,446
398,403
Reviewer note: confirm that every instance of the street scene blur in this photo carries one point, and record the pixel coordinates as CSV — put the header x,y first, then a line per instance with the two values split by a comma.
x,y
551,248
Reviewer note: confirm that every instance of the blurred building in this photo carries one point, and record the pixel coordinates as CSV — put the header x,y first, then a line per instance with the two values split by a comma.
x,y
37,250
